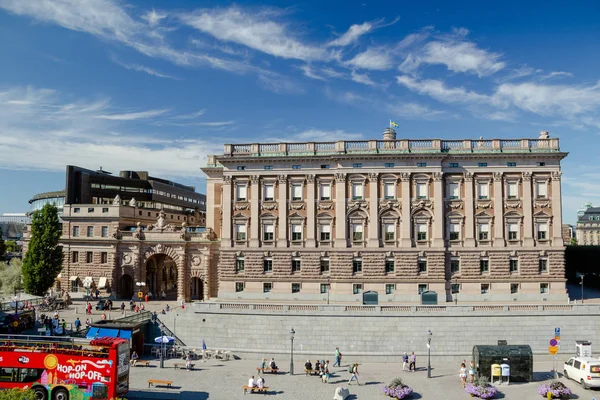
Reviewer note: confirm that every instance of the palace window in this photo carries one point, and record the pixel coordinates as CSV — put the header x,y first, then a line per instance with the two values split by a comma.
x,y
103,257
296,232
297,166
544,287
357,265
455,288
241,193
296,192
325,233
511,190
482,164
296,287
390,232
422,264
104,231
483,192
484,231
389,265
421,232
389,165
421,164
241,168
454,265
543,265
357,191
75,231
390,288
239,264
90,231
357,288
514,265
511,164
89,257
357,165
421,190
240,232
239,286
269,192
484,265
542,231
267,287
514,288
389,190
75,258
324,288
324,265
453,191
541,164
513,231
485,288
453,165
268,232
541,190
296,264
454,231
267,264
422,288
357,232
325,190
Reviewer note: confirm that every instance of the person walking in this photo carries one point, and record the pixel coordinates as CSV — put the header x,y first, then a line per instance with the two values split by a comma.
x,y
338,357
122,308
404,362
354,371
163,295
77,324
471,372
463,374
412,360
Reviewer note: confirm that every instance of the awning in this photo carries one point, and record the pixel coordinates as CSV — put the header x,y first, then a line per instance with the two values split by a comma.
x,y
89,279
102,283
73,278
91,333
105,332
125,334
59,276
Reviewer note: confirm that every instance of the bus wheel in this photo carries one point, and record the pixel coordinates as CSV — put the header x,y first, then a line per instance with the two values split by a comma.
x,y
40,393
60,394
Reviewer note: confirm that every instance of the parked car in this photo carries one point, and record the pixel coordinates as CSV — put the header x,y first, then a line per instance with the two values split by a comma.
x,y
585,370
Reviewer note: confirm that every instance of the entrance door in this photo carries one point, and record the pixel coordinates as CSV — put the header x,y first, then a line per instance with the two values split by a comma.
x,y
197,289
126,287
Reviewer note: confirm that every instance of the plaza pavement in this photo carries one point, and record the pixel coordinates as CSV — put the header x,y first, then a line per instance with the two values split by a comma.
x,y
223,380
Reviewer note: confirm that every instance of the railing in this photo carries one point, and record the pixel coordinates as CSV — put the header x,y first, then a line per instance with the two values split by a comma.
x,y
136,317
393,146
167,332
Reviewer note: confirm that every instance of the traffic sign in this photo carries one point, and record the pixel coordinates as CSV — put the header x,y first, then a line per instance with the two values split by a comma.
x,y
553,349
557,331
553,342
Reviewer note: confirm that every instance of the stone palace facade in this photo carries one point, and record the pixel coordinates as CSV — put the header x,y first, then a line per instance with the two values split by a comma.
x,y
471,220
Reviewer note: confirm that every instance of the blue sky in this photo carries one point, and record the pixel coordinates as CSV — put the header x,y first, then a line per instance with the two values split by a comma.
x,y
157,85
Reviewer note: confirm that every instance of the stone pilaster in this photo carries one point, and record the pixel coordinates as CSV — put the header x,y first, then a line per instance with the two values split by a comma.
x,y
527,210
183,279
405,237
226,205
469,226
556,210
498,211
438,210
373,211
340,210
283,211
310,211
254,211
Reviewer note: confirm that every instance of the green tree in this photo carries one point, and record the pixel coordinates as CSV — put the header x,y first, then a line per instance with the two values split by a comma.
x,y
12,246
17,394
2,246
11,276
43,260
573,242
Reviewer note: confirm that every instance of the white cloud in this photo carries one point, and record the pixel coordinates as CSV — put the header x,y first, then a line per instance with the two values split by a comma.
x,y
439,91
457,56
133,116
309,72
153,18
190,116
362,78
556,74
41,131
414,111
318,135
375,58
253,30
352,34
142,68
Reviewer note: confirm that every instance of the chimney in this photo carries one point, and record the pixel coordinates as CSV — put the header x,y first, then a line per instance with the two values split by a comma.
x,y
389,134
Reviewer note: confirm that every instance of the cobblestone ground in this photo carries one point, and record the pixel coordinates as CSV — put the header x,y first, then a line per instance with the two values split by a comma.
x,y
220,380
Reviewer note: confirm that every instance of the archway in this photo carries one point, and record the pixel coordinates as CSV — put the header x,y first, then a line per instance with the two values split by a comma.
x,y
197,289
126,286
161,275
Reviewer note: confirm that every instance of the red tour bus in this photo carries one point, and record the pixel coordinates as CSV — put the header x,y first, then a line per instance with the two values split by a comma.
x,y
60,368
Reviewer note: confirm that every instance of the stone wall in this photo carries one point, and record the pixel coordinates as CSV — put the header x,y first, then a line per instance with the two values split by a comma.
x,y
381,333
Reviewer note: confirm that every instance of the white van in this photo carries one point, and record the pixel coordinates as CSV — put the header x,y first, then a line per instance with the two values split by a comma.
x,y
585,370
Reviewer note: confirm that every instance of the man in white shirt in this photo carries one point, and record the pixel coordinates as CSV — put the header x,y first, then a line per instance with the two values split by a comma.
x,y
251,382
260,382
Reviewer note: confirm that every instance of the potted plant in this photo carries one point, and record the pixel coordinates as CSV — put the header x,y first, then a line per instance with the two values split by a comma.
x,y
554,390
481,388
397,390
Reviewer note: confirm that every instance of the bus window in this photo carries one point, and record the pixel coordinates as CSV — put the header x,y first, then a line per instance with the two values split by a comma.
x,y
8,374
30,374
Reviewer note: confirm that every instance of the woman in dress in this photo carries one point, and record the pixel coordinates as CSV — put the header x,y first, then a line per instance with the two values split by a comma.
x,y
463,374
472,371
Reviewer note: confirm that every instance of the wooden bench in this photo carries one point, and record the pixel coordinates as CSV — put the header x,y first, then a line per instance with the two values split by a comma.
x,y
144,363
311,372
159,382
271,370
180,365
255,389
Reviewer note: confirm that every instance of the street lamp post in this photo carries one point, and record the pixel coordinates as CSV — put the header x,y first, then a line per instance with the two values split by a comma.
x,y
140,285
429,335
456,292
328,290
292,333
582,275
162,346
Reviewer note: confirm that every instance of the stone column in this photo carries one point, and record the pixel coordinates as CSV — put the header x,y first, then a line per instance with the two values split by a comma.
x,y
254,211
527,210
310,211
438,209
282,203
183,279
226,205
469,226
340,210
373,211
556,210
498,211
405,238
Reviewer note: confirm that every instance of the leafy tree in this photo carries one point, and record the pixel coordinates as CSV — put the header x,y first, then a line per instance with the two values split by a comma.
x,y
17,394
2,246
43,260
11,276
12,246
573,242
